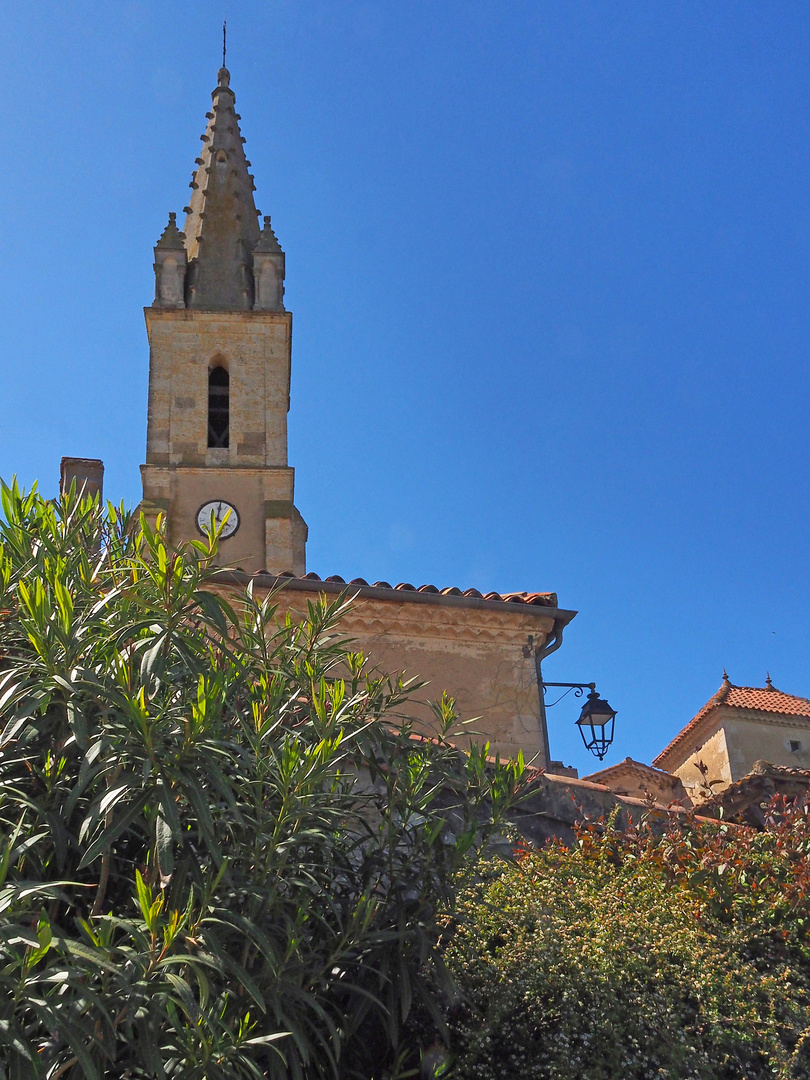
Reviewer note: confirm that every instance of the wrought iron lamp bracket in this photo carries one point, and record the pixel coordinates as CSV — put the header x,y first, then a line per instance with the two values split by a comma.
x,y
596,722
578,688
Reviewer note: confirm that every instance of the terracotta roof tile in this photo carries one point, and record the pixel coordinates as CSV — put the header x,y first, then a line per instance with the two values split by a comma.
x,y
767,700
530,598
759,698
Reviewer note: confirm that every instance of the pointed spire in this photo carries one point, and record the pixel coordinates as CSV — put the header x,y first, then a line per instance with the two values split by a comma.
x,y
170,267
268,241
268,271
171,239
768,682
221,229
725,676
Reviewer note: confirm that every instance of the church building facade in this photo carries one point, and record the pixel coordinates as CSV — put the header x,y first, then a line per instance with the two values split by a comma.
x,y
216,452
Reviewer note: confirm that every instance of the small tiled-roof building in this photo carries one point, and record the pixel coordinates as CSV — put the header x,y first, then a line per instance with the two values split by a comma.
x,y
639,781
737,727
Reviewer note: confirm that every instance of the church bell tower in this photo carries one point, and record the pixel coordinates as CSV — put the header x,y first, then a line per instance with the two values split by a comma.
x,y
219,366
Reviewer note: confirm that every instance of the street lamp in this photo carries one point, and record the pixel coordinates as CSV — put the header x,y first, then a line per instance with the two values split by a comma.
x,y
597,719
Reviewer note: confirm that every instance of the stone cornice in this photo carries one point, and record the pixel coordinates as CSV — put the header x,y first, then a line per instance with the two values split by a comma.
x,y
162,314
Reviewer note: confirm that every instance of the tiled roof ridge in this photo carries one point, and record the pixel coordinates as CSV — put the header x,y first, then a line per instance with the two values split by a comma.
x,y
763,698
536,599
630,764
752,791
770,768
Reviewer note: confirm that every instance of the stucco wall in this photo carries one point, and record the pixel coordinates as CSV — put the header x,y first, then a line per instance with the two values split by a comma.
x,y
754,737
713,753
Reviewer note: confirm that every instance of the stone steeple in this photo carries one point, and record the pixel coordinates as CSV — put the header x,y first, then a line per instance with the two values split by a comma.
x,y
221,229
222,261
219,366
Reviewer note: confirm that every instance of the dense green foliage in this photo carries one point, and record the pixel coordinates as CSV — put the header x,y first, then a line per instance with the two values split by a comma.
x,y
677,951
217,858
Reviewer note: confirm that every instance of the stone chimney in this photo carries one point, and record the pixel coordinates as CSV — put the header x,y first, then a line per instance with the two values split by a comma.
x,y
87,472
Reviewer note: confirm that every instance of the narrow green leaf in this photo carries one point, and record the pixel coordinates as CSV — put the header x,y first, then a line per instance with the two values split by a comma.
x,y
164,844
144,896
96,957
265,1040
109,835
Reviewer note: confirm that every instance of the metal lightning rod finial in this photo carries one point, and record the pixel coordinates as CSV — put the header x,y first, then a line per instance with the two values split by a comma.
x,y
224,32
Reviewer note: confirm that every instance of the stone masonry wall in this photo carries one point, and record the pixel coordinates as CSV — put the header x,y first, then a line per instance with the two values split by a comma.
x,y
475,651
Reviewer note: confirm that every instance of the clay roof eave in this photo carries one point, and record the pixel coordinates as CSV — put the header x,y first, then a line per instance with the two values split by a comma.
x,y
531,605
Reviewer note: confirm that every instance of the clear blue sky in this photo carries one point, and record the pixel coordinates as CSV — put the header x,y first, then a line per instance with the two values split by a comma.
x,y
548,264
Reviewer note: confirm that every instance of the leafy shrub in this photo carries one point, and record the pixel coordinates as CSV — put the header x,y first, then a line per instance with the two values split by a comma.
x,y
675,950
223,852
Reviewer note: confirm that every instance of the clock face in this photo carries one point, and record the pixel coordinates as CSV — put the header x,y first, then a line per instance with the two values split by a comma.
x,y
225,517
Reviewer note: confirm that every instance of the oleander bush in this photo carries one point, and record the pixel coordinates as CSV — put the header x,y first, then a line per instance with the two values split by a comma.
x,y
675,949
224,851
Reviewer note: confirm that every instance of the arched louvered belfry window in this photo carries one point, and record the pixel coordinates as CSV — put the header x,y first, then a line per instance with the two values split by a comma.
x,y
218,407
